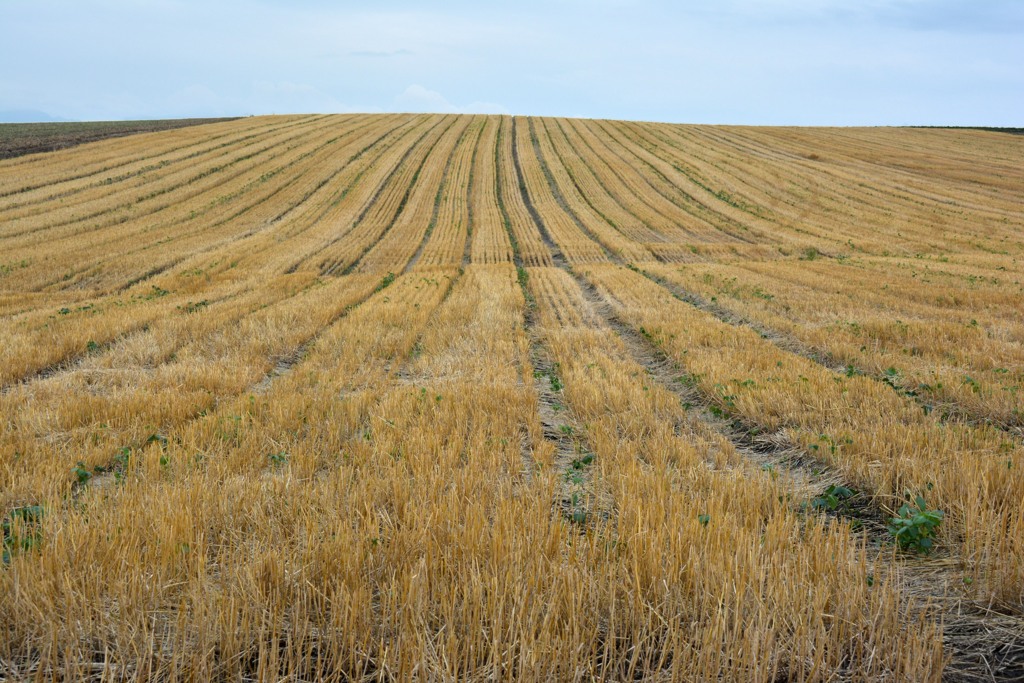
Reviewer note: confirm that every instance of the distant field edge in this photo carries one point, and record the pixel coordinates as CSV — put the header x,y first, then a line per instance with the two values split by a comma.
x,y
991,129
19,139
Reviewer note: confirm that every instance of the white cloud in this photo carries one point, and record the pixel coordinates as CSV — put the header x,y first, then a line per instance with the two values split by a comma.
x,y
728,61
261,97
195,98
294,98
485,108
381,54
418,99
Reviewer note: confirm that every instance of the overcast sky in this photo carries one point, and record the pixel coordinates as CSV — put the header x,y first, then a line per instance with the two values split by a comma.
x,y
815,62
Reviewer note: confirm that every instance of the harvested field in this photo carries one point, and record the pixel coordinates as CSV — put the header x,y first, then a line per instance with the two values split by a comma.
x,y
17,139
432,397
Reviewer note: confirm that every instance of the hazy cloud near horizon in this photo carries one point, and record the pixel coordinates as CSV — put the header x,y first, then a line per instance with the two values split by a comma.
x,y
825,62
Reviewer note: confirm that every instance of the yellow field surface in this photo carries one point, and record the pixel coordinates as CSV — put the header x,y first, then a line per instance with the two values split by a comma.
x,y
481,398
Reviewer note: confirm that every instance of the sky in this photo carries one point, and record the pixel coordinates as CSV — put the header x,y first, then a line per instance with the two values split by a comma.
x,y
765,62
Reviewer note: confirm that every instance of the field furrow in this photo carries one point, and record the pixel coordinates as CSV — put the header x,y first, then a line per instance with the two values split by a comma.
x,y
446,239
79,263
523,234
972,636
490,397
29,173
147,383
487,218
181,185
269,240
955,359
654,465
883,442
679,228
51,337
148,171
385,207
399,240
582,234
